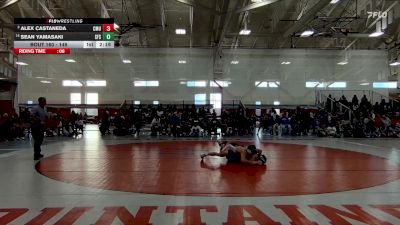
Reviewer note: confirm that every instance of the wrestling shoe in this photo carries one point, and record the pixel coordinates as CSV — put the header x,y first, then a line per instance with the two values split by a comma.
x,y
263,159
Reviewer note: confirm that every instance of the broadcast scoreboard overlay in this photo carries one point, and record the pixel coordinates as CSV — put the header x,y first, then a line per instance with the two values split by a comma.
x,y
59,36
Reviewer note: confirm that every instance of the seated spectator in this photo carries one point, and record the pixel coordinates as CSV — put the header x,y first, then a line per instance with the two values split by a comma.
x,y
331,131
285,123
155,126
369,127
378,122
276,127
321,131
214,125
347,130
386,122
79,125
196,130
175,122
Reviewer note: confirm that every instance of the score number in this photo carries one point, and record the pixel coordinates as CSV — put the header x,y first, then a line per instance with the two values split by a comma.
x,y
108,36
108,32
108,27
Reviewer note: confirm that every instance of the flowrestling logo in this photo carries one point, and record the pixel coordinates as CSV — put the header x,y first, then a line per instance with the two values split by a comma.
x,y
377,14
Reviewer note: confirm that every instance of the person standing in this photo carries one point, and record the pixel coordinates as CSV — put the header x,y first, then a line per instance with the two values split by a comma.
x,y
39,118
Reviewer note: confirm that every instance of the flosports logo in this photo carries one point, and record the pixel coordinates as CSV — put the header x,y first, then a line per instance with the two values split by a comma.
x,y
377,14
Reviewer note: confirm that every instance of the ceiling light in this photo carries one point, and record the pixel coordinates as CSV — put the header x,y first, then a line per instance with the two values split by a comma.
x,y
182,82
256,1
394,64
334,1
180,31
96,83
70,60
45,81
364,84
234,62
285,63
342,63
126,61
182,61
21,63
307,33
245,32
44,78
71,83
277,102
376,34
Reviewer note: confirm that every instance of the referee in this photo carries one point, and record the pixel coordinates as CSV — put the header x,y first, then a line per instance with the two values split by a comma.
x,y
39,119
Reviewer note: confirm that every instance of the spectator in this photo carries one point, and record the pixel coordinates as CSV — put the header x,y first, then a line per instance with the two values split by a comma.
x,y
354,101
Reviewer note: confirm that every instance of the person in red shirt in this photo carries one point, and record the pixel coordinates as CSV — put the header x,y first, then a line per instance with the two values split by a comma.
x,y
378,121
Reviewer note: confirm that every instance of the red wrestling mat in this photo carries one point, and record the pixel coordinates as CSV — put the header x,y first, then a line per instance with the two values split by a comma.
x,y
175,168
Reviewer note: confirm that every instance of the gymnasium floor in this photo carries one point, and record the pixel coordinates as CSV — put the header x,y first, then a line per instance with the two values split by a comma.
x,y
127,180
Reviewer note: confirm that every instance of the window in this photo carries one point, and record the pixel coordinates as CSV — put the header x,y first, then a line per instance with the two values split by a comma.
x,y
315,84
200,99
258,108
71,83
196,83
96,83
180,31
140,83
136,102
392,84
261,84
264,84
277,102
338,85
92,98
75,99
29,102
77,110
219,83
148,83
273,84
92,112
216,100
156,102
